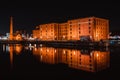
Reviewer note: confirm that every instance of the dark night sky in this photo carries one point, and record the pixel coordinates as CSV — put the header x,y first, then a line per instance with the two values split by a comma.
x,y
27,16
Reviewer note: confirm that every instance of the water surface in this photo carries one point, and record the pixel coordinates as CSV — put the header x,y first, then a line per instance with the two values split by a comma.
x,y
41,62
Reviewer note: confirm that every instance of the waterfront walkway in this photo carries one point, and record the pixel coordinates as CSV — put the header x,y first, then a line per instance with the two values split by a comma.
x,y
56,43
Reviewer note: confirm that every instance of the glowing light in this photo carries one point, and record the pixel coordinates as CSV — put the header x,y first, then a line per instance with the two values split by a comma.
x,y
55,50
29,45
63,36
35,49
41,49
47,50
35,45
74,52
41,57
97,55
91,53
30,48
3,47
64,52
41,37
18,48
40,45
18,37
96,35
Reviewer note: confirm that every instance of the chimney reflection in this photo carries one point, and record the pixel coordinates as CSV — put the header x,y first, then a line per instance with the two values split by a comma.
x,y
86,60
11,48
11,54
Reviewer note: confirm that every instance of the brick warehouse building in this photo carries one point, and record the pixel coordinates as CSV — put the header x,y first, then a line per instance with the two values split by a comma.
x,y
91,28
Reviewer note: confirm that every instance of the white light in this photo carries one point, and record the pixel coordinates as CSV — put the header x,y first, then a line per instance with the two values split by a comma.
x,y
91,53
40,45
30,48
3,47
29,45
35,45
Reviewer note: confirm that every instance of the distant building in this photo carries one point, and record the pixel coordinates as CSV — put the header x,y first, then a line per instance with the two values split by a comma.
x,y
62,31
14,36
47,32
36,33
90,28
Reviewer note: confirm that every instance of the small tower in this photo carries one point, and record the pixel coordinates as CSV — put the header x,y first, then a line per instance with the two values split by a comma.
x,y
11,29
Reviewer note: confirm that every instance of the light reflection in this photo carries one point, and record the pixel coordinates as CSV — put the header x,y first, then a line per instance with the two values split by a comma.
x,y
4,47
86,60
12,48
46,55
18,48
34,45
55,50
11,54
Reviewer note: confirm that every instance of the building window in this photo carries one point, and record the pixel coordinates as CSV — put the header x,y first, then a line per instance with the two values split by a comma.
x,y
90,60
89,23
89,31
89,27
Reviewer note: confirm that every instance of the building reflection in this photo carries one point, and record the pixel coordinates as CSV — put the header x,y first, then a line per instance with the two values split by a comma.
x,y
18,48
46,55
86,60
95,61
12,48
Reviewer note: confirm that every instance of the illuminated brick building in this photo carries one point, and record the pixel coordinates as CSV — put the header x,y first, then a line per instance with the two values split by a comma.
x,y
62,32
48,31
36,33
91,28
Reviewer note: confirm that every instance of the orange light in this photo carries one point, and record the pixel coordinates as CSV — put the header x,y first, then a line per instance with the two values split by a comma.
x,y
18,48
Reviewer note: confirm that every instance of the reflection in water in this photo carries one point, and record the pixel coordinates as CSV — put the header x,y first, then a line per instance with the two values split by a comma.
x,y
84,59
17,48
92,61
11,54
46,55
